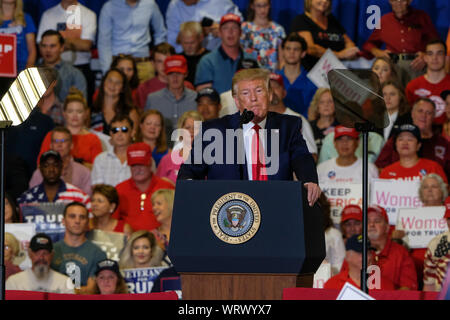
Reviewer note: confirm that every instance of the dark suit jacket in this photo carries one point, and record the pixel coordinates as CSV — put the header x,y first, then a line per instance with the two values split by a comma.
x,y
293,152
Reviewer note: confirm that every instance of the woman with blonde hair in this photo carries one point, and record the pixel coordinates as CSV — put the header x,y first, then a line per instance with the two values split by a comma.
x,y
152,131
171,162
86,145
14,21
141,251
11,251
322,115
162,204
385,70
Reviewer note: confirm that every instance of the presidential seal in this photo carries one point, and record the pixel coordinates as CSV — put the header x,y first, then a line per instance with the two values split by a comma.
x,y
235,218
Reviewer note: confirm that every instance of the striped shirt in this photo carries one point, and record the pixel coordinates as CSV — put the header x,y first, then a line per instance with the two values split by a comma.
x,y
437,259
66,193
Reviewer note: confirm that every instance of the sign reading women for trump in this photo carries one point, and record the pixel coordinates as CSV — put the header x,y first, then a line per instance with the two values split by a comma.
x,y
393,195
141,280
47,216
341,194
421,225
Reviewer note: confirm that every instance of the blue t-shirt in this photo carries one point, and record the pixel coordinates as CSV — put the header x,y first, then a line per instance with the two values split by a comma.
x,y
77,262
299,93
20,32
218,68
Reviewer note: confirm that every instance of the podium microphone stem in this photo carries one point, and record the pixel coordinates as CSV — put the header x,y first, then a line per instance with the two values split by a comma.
x,y
364,287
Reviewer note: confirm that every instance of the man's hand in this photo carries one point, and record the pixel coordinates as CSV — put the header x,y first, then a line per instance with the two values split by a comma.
x,y
313,192
418,63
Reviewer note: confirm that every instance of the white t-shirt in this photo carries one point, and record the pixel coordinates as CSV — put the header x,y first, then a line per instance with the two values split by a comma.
x,y
307,131
335,249
330,171
58,17
27,281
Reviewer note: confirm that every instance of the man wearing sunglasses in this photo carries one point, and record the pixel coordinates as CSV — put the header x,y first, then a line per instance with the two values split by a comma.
x,y
135,206
111,167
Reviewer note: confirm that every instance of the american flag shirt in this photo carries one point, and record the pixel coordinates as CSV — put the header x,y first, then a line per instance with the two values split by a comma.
x,y
66,193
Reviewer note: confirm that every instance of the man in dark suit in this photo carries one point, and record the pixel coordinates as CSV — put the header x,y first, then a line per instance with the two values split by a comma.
x,y
233,152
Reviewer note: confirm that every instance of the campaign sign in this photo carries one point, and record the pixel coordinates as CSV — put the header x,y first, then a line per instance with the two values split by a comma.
x,y
23,233
322,275
318,73
8,58
111,243
341,194
393,195
141,280
47,216
421,225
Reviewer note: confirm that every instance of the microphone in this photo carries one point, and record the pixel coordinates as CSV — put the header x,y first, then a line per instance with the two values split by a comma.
x,y
246,116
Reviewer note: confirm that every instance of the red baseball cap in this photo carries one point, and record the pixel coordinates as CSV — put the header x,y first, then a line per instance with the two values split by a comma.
x,y
351,211
447,208
278,78
378,209
230,17
139,153
340,131
175,63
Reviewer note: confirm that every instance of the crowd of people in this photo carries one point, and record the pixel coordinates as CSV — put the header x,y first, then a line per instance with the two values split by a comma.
x,y
112,152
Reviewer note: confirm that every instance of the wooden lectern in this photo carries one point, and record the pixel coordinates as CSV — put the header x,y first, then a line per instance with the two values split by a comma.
x,y
283,251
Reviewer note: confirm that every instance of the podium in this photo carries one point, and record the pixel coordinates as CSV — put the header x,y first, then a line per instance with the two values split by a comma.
x,y
244,240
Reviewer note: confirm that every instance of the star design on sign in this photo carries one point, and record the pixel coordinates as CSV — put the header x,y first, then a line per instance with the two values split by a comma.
x,y
442,248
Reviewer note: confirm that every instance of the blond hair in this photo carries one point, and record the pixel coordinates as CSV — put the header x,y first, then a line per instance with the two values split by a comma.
x,y
313,110
440,181
75,95
19,15
126,257
308,3
13,243
189,114
250,75
167,194
190,28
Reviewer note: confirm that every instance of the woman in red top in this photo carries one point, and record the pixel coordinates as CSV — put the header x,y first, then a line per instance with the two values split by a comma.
x,y
410,166
86,145
104,202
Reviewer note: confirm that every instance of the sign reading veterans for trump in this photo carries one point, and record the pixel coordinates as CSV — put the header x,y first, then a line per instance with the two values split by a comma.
x,y
8,60
141,280
421,225
111,243
318,73
393,195
341,194
235,218
23,233
47,216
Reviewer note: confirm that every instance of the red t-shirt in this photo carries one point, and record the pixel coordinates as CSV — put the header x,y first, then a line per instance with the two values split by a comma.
x,y
396,265
85,146
130,203
421,169
420,87
338,281
150,86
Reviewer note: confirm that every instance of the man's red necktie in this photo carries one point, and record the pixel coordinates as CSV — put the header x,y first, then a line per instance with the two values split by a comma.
x,y
258,160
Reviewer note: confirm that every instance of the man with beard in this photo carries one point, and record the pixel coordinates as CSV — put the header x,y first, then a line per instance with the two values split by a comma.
x,y
40,277
392,258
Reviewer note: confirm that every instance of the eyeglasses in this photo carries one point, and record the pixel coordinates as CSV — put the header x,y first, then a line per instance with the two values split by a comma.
x,y
117,129
59,140
143,197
